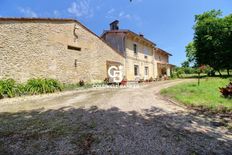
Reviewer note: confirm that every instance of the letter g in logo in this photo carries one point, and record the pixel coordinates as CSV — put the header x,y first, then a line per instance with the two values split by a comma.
x,y
117,74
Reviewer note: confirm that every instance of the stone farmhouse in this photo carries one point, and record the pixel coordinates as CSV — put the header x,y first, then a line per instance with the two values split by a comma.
x,y
142,59
66,50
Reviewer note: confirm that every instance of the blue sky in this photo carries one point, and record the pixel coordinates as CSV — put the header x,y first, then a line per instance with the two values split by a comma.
x,y
166,22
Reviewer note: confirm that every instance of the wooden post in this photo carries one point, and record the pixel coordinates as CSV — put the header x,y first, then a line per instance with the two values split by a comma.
x,y
199,79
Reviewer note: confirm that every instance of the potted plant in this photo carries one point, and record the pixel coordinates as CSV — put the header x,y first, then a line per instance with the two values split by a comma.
x,y
123,82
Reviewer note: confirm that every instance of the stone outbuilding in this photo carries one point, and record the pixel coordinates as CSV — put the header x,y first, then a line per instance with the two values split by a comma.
x,y
62,49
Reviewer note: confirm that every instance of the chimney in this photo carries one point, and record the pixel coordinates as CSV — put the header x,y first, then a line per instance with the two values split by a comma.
x,y
114,25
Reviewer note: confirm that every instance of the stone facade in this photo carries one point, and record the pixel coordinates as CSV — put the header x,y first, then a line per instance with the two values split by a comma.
x,y
143,59
150,61
162,62
62,49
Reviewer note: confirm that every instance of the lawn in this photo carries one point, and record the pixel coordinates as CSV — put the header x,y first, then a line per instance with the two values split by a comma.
x,y
206,95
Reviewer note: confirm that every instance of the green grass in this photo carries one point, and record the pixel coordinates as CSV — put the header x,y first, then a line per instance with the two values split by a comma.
x,y
206,95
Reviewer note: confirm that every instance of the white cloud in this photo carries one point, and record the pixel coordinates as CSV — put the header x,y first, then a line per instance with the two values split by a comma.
x,y
112,14
28,12
81,8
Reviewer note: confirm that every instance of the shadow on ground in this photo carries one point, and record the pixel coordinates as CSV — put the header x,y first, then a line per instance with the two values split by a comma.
x,y
97,131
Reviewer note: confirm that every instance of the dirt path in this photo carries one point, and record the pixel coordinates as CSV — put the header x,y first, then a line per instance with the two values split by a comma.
x,y
133,99
111,121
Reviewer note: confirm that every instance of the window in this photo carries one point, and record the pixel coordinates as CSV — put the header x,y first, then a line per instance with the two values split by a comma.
x,y
135,49
146,52
74,48
146,71
136,70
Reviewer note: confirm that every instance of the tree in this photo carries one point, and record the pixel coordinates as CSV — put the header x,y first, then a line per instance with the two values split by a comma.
x,y
185,64
212,40
191,53
227,42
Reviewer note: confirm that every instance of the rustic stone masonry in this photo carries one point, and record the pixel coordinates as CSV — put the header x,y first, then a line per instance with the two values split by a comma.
x,y
62,49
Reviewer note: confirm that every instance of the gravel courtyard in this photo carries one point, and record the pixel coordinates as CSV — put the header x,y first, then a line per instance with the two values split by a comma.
x,y
109,121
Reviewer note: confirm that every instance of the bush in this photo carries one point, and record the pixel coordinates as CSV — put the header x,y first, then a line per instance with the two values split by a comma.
x,y
211,73
141,81
151,79
42,86
81,83
1,92
174,75
180,73
106,80
227,92
8,88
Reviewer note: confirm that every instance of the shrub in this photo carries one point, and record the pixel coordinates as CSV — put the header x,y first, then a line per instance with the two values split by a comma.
x,y
9,88
227,92
81,83
1,92
106,80
187,70
42,86
179,73
174,75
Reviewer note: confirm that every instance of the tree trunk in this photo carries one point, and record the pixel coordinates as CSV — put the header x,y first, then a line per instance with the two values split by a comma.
x,y
228,72
219,73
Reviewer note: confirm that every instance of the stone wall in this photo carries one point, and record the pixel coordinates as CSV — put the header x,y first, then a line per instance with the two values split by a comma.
x,y
39,48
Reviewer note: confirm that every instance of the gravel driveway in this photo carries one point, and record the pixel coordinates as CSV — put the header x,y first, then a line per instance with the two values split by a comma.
x,y
108,121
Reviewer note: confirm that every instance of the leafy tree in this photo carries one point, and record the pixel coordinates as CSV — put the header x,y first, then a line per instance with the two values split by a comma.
x,y
185,64
212,40
191,53
227,42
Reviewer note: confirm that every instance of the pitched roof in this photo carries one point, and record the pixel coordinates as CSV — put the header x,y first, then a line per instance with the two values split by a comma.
x,y
35,19
161,50
45,20
133,33
128,32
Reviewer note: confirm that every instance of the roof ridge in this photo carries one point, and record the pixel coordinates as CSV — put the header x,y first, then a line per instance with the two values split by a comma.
x,y
59,19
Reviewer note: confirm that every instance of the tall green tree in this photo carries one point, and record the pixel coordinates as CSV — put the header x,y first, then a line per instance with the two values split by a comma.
x,y
212,40
227,42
